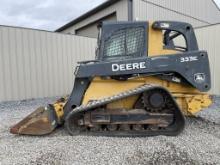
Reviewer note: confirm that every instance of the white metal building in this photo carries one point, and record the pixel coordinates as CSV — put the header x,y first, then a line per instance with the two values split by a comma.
x,y
36,63
196,12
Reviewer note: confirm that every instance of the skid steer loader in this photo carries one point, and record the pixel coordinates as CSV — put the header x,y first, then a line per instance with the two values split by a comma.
x,y
141,83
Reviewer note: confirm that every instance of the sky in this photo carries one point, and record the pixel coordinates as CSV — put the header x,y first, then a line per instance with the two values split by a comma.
x,y
217,2
45,14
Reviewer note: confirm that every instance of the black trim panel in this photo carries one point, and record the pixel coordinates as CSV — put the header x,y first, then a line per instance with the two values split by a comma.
x,y
186,64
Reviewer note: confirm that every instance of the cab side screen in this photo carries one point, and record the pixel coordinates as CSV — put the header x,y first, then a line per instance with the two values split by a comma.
x,y
125,42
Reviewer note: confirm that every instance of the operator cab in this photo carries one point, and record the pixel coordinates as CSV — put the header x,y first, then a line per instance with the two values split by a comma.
x,y
122,40
125,40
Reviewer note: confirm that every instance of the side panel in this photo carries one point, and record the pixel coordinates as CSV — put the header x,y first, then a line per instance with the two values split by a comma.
x,y
100,88
189,99
188,65
208,39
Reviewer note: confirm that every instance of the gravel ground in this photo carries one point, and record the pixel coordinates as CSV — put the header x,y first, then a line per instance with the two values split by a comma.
x,y
198,144
213,112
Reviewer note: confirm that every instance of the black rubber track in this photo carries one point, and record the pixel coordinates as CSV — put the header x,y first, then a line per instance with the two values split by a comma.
x,y
172,130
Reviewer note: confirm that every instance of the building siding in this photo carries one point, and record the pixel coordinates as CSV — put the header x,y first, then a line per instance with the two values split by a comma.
x,y
120,7
204,10
38,64
147,11
196,12
92,30
208,39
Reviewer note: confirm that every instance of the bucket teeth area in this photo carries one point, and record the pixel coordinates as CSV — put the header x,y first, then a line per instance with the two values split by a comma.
x,y
40,122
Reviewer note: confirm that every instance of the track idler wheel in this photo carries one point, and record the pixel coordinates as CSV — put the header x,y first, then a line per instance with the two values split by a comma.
x,y
154,100
77,124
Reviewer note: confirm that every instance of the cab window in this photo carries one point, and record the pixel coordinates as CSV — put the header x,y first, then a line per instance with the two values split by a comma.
x,y
125,42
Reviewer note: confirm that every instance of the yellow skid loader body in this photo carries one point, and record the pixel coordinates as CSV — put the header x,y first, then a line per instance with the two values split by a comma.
x,y
189,99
